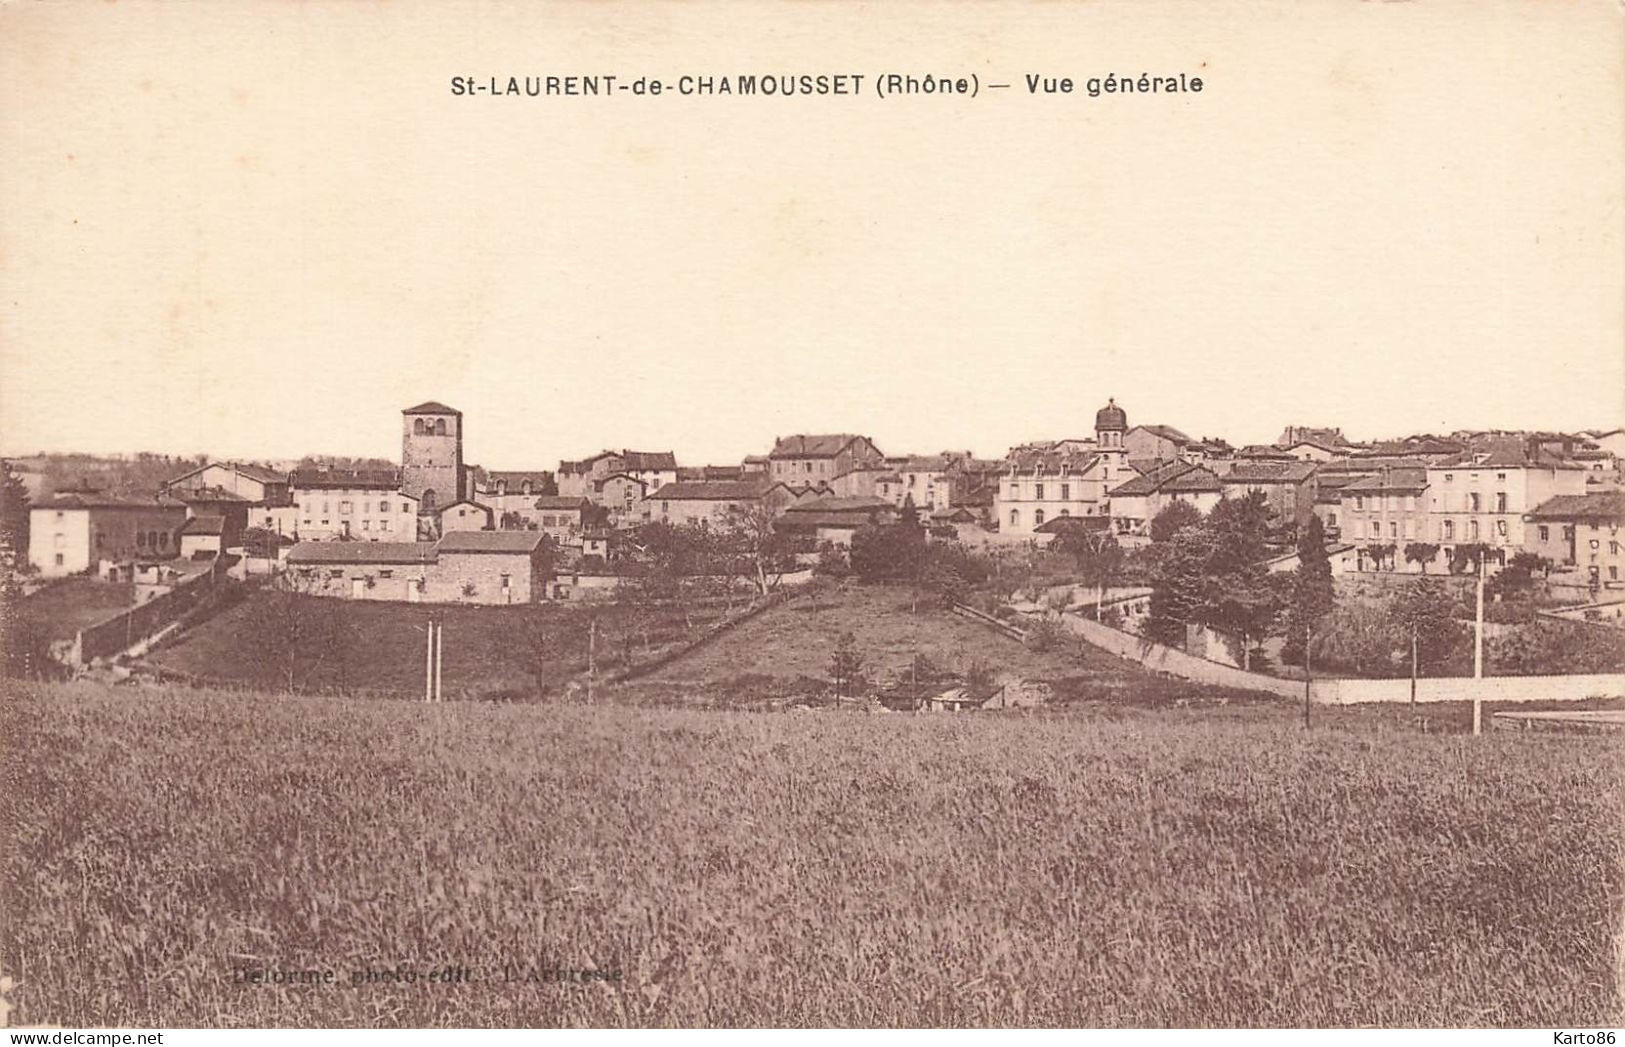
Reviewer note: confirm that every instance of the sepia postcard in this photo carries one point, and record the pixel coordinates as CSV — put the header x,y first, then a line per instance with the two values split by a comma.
x,y
785,515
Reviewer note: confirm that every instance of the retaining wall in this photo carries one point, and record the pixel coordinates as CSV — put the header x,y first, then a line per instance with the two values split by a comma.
x,y
1569,688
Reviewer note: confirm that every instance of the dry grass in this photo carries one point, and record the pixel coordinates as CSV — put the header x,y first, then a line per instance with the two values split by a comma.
x,y
746,869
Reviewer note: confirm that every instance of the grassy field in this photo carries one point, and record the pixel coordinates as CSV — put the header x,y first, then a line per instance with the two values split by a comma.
x,y
788,646
488,650
815,868
781,655
62,608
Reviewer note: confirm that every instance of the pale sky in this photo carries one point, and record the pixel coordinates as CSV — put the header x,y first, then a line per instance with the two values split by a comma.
x,y
261,229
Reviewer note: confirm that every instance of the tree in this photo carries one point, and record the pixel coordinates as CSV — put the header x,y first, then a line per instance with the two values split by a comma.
x,y
1100,561
1311,592
299,636
1177,575
844,666
1421,553
1382,556
14,506
1239,597
756,550
1174,518
1424,613
539,649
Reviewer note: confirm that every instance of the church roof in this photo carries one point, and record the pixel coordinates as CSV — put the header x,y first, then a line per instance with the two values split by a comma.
x,y
432,407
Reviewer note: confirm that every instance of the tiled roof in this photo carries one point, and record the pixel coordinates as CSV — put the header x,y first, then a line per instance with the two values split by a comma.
x,y
1505,456
1601,506
1167,432
205,524
100,500
1365,465
208,494
1389,480
861,504
713,490
559,501
1075,463
649,460
795,521
254,472
515,477
334,479
1172,476
1266,471
824,445
362,553
490,542
1195,480
432,407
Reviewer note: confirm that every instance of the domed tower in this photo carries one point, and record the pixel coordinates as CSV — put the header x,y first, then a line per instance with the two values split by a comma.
x,y
432,454
1111,427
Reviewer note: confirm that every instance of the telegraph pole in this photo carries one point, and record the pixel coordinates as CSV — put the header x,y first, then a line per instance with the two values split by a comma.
x,y
428,662
439,648
1478,648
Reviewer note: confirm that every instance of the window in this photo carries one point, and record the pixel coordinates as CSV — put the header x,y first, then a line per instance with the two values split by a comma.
x,y
386,573
1472,530
1393,529
1613,548
344,507
59,559
1015,518
383,525
366,525
1545,533
1038,517
336,572
1500,501
1449,531
405,508
140,540
163,539
1410,503
1015,490
1066,492
1500,476
1359,502
1376,529
505,581
383,507
1501,528
1331,519
1448,477
1472,501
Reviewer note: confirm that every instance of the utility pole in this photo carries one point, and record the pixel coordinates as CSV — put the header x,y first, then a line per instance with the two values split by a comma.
x,y
1413,665
428,662
592,663
1307,675
439,664
1478,647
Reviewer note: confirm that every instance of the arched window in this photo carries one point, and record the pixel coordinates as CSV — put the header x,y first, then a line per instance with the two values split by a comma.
x,y
1038,517
428,498
1015,518
419,427
524,488
440,427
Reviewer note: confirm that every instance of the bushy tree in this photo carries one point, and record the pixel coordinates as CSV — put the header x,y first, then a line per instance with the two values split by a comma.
x,y
846,666
1311,592
1421,554
1424,614
1548,647
1174,518
14,515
